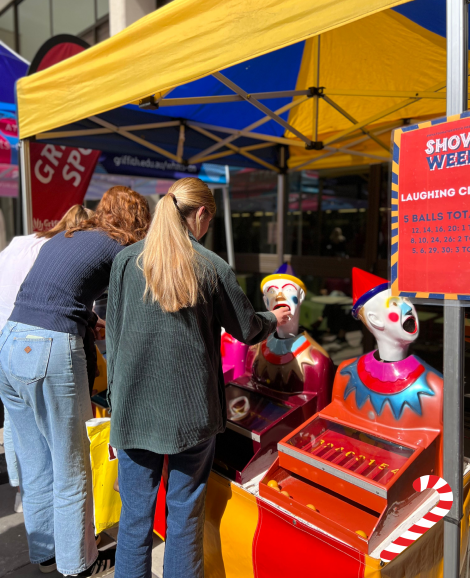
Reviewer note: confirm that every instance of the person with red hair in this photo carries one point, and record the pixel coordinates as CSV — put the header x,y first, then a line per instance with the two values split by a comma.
x,y
44,385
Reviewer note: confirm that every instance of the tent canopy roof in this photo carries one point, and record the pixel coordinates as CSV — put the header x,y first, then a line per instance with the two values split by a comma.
x,y
367,65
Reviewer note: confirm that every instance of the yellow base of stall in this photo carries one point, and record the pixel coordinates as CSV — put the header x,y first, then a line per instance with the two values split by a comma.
x,y
233,543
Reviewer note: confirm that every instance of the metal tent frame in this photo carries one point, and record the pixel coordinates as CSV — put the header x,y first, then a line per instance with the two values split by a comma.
x,y
226,147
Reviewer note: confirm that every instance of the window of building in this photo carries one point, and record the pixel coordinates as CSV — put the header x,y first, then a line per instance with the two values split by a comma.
x,y
34,26
72,17
102,8
7,27
39,20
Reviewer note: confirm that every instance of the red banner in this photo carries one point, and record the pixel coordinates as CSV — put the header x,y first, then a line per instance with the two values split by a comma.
x,y
59,175
59,179
432,221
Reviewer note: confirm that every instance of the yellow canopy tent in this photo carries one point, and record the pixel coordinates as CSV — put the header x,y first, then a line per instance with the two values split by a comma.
x,y
361,75
184,41
83,101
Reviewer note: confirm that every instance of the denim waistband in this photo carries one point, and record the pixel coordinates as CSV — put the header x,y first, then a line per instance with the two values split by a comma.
x,y
17,327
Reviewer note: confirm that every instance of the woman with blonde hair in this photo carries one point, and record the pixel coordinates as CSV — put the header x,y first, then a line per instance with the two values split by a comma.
x,y
168,299
44,385
15,262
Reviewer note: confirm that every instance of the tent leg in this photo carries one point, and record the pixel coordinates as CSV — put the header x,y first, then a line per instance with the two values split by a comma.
x,y
454,316
228,221
300,226
281,193
26,197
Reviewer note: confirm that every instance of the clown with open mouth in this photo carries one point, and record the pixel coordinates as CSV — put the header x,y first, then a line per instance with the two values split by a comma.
x,y
290,361
390,379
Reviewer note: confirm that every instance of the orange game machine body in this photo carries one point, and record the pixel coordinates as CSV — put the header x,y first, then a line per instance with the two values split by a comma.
x,y
349,469
287,379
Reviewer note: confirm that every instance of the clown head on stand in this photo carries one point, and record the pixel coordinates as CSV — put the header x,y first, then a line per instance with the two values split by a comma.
x,y
391,320
284,289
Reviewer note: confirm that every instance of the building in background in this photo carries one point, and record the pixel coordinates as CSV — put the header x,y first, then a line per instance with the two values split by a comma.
x,y
26,24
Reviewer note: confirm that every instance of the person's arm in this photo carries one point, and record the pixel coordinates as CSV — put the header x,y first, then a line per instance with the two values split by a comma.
x,y
113,321
237,316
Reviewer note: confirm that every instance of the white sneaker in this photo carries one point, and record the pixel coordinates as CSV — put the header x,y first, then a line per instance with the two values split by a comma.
x,y
18,507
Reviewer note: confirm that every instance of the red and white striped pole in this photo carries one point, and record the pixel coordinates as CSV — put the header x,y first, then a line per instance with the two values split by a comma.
x,y
428,521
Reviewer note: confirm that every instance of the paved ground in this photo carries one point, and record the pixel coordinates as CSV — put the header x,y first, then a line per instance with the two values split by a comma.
x,y
14,559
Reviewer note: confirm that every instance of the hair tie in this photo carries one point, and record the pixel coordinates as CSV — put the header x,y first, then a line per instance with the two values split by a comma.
x,y
175,201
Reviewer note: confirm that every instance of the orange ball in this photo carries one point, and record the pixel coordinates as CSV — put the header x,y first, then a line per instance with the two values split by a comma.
x,y
312,507
286,493
273,484
362,534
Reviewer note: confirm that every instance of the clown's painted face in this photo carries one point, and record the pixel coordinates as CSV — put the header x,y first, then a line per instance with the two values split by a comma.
x,y
395,317
281,293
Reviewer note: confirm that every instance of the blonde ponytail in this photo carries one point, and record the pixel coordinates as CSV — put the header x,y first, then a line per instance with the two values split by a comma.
x,y
171,267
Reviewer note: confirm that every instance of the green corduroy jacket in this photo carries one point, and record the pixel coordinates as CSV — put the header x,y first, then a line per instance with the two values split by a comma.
x,y
165,382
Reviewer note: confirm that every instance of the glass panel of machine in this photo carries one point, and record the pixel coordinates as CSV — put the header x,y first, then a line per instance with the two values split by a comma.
x,y
251,410
359,452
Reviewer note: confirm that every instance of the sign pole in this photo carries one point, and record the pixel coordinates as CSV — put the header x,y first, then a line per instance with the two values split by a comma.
x,y
26,195
454,316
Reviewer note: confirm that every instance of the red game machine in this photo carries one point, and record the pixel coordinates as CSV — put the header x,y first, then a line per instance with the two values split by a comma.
x,y
349,469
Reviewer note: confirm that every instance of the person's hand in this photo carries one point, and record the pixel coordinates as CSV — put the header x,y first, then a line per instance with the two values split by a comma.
x,y
282,315
99,328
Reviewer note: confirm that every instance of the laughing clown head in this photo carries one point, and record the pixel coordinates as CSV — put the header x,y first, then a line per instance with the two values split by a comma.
x,y
392,320
284,289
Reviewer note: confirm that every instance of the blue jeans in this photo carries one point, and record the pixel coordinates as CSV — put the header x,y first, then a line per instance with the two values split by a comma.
x,y
10,456
139,477
44,387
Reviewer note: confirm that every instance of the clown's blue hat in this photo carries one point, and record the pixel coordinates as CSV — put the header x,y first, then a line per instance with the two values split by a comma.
x,y
285,271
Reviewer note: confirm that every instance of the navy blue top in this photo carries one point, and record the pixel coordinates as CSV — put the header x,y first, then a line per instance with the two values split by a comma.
x,y
67,276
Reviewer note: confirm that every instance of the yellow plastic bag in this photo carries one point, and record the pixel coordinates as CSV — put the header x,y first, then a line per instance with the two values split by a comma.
x,y
104,466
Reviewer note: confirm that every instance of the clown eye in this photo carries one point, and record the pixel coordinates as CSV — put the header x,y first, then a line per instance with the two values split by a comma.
x,y
395,303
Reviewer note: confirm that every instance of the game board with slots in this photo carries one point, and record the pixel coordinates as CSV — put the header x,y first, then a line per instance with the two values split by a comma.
x,y
257,420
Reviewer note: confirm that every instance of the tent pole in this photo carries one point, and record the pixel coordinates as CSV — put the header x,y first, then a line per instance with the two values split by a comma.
x,y
316,83
345,149
281,195
341,110
260,106
228,220
300,225
246,131
454,316
26,197
334,138
232,149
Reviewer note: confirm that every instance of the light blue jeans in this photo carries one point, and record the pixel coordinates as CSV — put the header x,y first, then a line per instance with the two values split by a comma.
x,y
10,456
44,387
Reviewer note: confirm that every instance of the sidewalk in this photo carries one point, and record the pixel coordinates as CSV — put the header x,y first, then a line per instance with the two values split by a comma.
x,y
14,559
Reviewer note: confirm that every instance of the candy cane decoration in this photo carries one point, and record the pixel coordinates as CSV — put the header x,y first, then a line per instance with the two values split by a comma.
x,y
428,521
